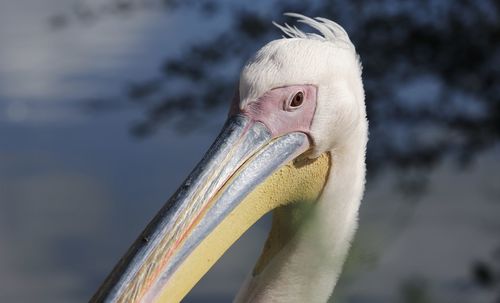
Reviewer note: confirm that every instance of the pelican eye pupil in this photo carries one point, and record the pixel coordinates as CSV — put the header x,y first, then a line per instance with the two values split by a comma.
x,y
297,100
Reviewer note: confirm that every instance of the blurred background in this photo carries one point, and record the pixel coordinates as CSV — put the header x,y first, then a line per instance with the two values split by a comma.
x,y
106,105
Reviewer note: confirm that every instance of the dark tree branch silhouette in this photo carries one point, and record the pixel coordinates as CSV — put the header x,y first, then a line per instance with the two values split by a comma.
x,y
430,70
431,73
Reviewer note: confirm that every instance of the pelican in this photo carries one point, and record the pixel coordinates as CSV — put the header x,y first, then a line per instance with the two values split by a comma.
x,y
294,143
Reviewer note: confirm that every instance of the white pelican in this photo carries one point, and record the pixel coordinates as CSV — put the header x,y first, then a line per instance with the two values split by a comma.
x,y
294,143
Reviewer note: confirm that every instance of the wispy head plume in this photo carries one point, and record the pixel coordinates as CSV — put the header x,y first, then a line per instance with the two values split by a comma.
x,y
328,30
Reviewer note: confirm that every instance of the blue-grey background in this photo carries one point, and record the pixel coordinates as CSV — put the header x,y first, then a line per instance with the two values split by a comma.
x,y
105,106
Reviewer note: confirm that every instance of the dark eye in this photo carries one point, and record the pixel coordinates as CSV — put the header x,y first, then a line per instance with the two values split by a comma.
x,y
297,100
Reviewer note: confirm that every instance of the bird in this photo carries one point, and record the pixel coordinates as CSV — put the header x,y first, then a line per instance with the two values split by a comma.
x,y
294,144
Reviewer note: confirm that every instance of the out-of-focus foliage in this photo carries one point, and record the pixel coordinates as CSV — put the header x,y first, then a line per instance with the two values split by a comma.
x,y
486,274
415,291
430,72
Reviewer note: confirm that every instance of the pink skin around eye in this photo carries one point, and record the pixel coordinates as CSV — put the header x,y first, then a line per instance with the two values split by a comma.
x,y
274,111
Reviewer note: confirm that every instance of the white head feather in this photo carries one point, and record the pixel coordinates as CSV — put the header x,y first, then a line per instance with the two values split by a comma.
x,y
327,60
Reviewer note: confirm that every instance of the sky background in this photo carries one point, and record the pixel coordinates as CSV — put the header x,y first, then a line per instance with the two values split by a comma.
x,y
76,187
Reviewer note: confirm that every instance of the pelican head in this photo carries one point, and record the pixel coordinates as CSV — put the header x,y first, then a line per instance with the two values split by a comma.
x,y
294,143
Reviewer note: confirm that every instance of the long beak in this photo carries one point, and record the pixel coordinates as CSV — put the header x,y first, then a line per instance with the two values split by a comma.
x,y
185,238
